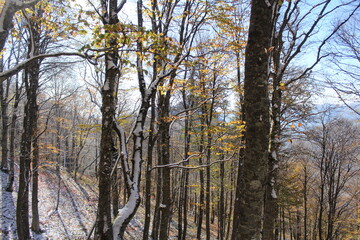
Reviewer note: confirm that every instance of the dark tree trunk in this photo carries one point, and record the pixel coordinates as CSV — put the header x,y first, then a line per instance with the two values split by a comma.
x,y
305,197
222,203
10,183
58,148
31,78
148,182
271,204
208,185
115,192
202,184
156,219
30,114
35,221
4,92
103,229
104,226
248,223
164,159
183,204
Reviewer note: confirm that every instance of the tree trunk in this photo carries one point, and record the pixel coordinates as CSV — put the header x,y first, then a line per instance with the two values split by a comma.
x,y
115,192
164,159
185,189
4,90
22,206
248,224
305,197
58,153
156,219
148,182
32,74
10,183
222,215
35,223
6,16
202,184
208,185
104,229
104,226
30,114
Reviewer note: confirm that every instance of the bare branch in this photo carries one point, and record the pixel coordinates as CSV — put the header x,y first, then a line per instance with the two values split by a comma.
x,y
14,70
177,165
120,6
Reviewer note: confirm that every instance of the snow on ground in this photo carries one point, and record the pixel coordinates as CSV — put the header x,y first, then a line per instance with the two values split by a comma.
x,y
7,201
75,216
76,213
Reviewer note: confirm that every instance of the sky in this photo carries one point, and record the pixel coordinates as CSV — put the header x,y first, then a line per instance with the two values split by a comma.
x,y
321,72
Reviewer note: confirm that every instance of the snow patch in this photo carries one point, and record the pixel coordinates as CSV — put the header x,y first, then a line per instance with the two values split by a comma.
x,y
273,194
106,228
276,166
268,3
125,212
110,64
106,86
274,155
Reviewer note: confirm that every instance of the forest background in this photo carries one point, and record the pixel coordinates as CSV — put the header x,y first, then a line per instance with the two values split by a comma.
x,y
214,119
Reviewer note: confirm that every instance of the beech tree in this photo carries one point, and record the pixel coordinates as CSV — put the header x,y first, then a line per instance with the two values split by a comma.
x,y
109,11
250,193
173,49
29,138
8,11
287,45
201,171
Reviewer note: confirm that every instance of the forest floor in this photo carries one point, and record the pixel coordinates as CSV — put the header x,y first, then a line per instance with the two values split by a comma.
x,y
74,219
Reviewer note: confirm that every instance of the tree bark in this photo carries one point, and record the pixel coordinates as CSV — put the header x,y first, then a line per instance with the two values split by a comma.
x,y
248,224
148,180
183,222
104,229
202,183
10,183
164,159
35,221
221,217
6,16
30,114
4,92
104,226
32,74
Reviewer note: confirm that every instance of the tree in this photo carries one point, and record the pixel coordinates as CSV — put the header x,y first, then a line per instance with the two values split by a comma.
x,y
4,96
109,11
284,77
8,11
346,59
249,198
334,156
169,53
29,138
